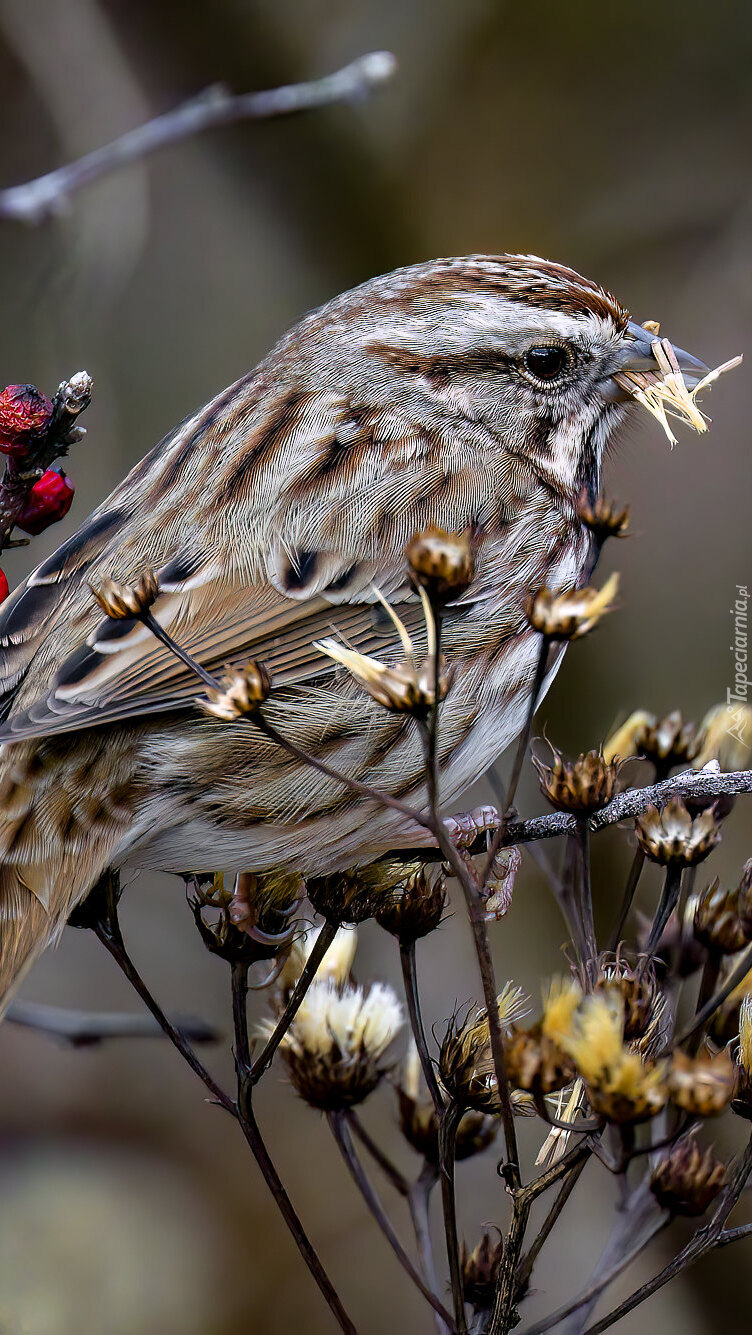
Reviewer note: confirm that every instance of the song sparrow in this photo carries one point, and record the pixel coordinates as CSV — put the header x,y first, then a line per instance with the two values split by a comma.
x,y
475,391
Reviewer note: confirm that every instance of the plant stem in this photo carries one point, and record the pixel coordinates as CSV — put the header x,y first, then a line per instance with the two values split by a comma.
x,y
666,905
739,971
635,872
448,1124
321,945
255,1140
390,1171
412,995
341,1133
526,1265
418,1201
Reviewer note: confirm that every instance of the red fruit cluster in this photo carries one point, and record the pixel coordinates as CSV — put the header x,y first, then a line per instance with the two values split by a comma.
x,y
4,589
25,415
48,501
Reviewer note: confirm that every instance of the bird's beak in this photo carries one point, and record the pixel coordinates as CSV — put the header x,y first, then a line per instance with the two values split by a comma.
x,y
662,378
637,355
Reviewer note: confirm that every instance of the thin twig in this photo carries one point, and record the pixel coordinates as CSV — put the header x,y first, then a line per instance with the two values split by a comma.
x,y
341,1133
526,1265
390,1171
448,1124
257,1145
595,1289
412,995
737,974
635,872
418,1201
320,947
703,1241
45,196
666,905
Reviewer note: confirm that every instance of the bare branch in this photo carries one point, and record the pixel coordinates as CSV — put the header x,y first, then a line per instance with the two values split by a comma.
x,y
46,196
82,1028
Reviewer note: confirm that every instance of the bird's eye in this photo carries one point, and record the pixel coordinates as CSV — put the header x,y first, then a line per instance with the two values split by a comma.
x,y
546,362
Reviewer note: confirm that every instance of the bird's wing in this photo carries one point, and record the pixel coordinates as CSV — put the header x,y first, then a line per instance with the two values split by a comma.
x,y
291,554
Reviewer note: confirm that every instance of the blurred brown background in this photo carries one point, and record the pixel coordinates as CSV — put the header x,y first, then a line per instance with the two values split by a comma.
x,y
615,138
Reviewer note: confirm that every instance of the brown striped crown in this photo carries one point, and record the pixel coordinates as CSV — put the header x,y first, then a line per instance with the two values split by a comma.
x,y
538,282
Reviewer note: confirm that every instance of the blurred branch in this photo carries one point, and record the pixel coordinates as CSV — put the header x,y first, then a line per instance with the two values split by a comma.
x,y
85,1028
45,196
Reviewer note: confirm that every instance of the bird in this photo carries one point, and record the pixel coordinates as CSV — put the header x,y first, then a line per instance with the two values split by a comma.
x,y
475,394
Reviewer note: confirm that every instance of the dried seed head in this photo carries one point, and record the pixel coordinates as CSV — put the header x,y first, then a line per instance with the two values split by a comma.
x,y
442,563
405,688
567,616
636,986
666,742
723,918
241,692
686,1181
671,836
334,1049
264,931
725,735
466,1062
701,1085
354,895
122,601
480,1271
582,786
535,1063
603,518
414,906
621,1085
334,967
419,1124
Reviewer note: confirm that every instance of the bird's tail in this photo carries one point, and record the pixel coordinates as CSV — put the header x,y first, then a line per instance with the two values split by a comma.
x,y
58,829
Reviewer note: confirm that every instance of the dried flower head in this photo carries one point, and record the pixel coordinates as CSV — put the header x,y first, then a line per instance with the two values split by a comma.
x,y
582,786
567,616
419,1124
670,835
354,895
621,1085
442,563
701,1085
25,415
664,392
686,1181
636,986
603,518
666,742
480,1271
406,688
334,1049
335,966
466,1062
122,601
723,918
725,735
414,906
241,692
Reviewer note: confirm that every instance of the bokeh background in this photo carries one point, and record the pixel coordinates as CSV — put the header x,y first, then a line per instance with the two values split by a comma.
x,y
615,138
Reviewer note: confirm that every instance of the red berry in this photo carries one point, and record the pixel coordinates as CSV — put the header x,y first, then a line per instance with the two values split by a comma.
x,y
4,590
48,501
24,415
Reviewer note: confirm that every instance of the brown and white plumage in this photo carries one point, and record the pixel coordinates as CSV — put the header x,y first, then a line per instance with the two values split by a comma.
x,y
270,515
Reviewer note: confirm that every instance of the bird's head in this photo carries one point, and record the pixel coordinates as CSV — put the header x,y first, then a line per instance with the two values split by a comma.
x,y
541,360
